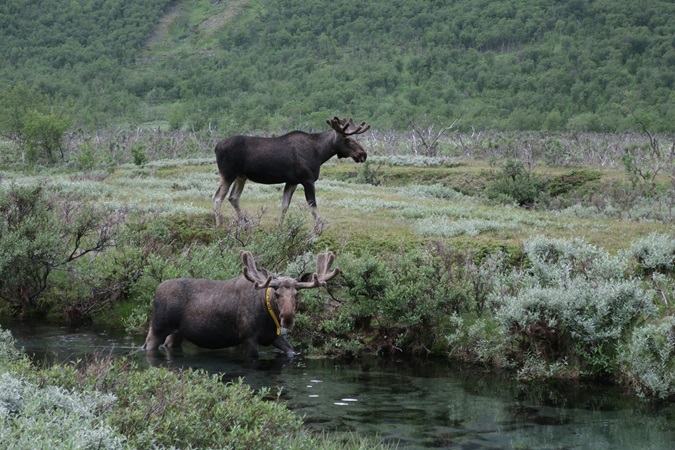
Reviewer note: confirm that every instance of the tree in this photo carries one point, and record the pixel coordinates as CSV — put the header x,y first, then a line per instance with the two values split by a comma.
x,y
28,120
43,135
15,105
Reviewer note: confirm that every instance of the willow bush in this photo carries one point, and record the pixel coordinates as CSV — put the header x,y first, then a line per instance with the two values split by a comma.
x,y
574,305
648,359
111,404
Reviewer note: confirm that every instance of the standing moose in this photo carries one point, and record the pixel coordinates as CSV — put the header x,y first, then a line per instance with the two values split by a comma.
x,y
252,309
294,158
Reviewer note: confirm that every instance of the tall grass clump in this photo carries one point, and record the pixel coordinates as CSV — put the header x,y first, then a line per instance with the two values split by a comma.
x,y
570,310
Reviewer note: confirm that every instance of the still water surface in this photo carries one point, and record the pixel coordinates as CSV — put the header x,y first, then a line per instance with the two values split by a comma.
x,y
414,404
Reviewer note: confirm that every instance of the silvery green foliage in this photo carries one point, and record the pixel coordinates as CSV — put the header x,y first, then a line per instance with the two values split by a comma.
x,y
53,418
655,253
590,312
440,226
573,300
553,261
10,356
33,417
414,160
649,358
434,191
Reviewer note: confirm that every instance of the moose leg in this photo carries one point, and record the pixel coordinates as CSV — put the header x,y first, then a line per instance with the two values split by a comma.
x,y
237,188
174,340
154,340
251,346
289,189
310,196
282,344
218,197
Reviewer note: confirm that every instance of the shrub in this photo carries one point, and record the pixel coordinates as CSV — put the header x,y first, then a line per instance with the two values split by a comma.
x,y
572,305
553,261
366,279
54,418
111,404
649,359
39,235
581,320
654,253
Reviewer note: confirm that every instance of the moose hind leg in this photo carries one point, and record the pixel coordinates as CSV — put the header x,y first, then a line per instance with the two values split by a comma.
x,y
289,189
237,188
218,197
174,340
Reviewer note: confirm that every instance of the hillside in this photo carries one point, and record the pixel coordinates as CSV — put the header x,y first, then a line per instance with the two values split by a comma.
x,y
269,65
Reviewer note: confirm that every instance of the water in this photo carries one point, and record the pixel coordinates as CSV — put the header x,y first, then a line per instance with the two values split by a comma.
x,y
415,404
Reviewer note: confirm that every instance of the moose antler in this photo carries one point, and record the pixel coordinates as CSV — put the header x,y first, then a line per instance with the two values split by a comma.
x,y
321,276
341,125
259,279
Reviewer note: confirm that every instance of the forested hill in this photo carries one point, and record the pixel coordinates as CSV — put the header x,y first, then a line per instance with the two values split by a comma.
x,y
243,65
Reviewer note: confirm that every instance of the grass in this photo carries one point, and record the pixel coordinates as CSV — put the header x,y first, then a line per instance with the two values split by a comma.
x,y
387,216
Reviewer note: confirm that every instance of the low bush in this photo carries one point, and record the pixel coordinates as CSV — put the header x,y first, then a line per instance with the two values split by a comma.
x,y
515,185
648,359
654,253
573,305
110,404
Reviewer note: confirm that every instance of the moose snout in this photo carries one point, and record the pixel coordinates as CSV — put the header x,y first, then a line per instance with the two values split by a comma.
x,y
287,320
360,157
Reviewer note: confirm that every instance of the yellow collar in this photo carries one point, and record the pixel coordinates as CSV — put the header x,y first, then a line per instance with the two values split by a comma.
x,y
269,308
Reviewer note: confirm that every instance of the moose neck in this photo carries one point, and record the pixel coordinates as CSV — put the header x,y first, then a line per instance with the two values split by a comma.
x,y
272,309
327,148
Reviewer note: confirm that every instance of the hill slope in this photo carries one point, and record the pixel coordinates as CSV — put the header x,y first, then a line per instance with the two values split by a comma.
x,y
257,64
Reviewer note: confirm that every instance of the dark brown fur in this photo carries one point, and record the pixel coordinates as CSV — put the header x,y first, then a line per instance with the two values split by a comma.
x,y
294,158
219,314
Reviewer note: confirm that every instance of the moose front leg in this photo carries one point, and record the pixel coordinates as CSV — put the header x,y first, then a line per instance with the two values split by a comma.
x,y
282,344
310,196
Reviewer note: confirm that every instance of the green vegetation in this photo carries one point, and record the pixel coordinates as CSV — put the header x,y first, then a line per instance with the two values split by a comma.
x,y
110,404
440,255
254,65
549,253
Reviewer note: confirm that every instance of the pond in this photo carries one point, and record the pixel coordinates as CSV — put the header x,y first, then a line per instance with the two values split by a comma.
x,y
417,404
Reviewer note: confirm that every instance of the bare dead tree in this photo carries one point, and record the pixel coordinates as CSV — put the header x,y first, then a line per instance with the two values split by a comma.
x,y
428,138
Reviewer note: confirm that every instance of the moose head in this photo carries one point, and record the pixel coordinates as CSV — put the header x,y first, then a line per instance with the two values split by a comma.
x,y
282,292
346,146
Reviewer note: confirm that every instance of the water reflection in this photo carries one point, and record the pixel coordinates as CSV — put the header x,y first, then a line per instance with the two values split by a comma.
x,y
419,405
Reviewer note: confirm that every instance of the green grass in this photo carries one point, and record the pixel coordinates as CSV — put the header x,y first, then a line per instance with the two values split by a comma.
x,y
387,216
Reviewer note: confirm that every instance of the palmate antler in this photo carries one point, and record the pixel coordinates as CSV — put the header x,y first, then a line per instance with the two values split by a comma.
x,y
342,125
321,276
259,279
262,279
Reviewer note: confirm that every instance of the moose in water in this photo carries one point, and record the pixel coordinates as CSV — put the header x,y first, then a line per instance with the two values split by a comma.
x,y
253,309
294,158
